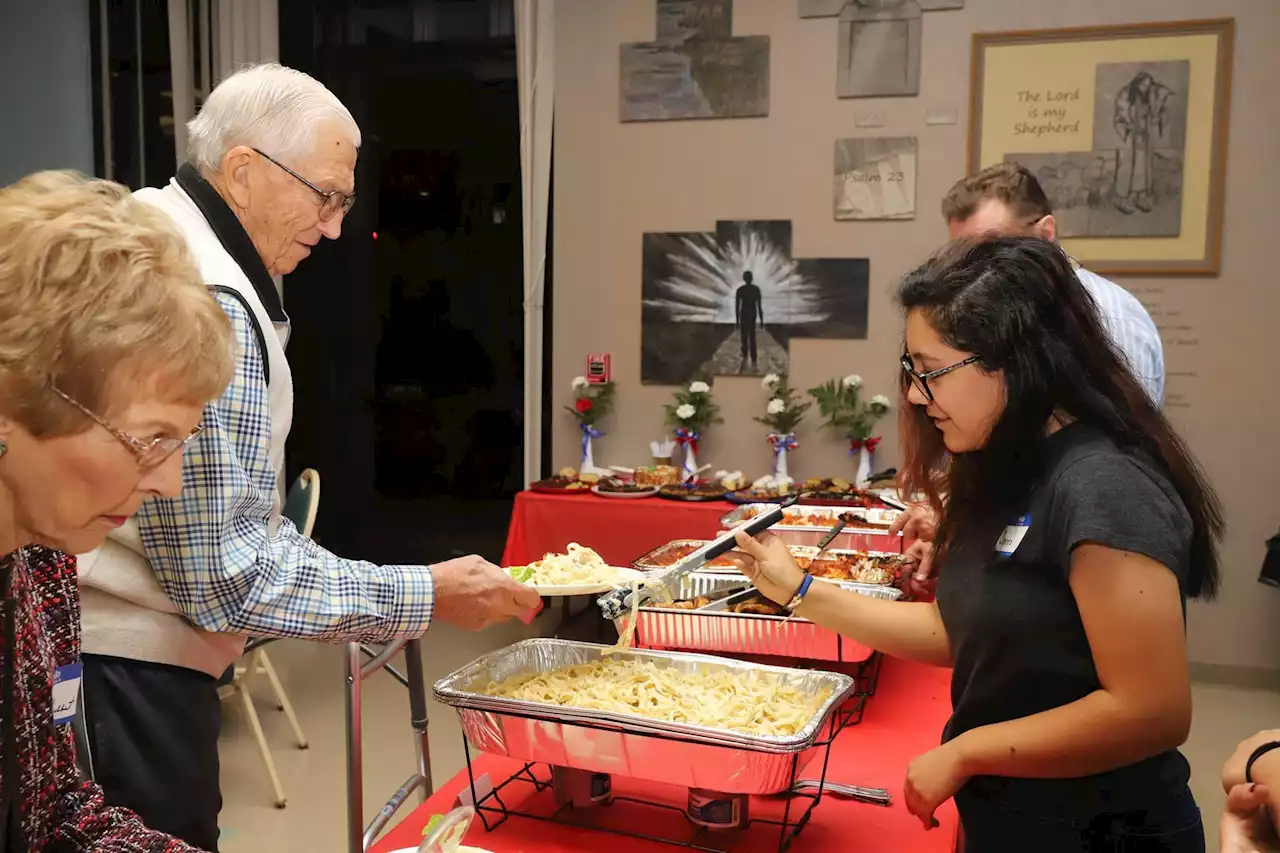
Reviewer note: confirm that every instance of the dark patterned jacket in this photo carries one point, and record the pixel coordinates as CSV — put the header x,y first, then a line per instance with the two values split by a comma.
x,y
59,812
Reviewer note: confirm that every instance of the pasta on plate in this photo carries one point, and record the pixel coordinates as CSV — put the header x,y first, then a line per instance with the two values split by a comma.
x,y
578,565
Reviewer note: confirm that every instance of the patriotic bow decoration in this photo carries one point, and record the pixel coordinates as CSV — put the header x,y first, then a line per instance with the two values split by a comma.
x,y
687,437
588,432
856,444
783,442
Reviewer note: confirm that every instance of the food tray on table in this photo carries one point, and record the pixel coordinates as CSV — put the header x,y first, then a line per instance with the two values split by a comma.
x,y
715,627
802,524
837,564
628,744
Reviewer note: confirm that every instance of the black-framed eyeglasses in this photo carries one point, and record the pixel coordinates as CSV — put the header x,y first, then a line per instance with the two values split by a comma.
x,y
149,453
331,201
921,380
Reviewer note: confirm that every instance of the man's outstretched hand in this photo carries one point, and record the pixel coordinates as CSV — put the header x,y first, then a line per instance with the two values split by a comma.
x,y
473,593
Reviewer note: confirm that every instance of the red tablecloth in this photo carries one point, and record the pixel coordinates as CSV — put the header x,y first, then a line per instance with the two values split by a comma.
x,y
619,530
903,720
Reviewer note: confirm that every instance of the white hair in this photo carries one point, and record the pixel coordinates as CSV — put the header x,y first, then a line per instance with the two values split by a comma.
x,y
266,106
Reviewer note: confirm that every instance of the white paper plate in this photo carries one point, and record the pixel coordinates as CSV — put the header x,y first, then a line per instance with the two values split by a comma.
x,y
647,493
625,576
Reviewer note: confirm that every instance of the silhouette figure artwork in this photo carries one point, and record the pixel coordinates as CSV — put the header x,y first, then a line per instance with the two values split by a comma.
x,y
728,302
748,304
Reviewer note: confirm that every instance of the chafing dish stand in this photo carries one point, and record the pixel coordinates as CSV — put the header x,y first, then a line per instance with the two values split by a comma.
x,y
359,837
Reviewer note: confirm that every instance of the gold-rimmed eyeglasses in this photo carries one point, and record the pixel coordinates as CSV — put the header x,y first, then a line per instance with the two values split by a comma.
x,y
149,452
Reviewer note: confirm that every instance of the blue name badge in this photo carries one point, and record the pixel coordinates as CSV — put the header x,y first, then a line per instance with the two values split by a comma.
x,y
1012,536
66,692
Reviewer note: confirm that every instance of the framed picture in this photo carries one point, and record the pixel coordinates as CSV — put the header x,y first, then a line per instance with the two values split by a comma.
x,y
1126,129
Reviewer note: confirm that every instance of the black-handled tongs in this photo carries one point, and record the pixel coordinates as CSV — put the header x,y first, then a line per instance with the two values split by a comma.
x,y
618,602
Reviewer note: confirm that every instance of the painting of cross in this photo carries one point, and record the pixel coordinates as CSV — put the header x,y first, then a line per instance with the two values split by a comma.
x,y
729,302
695,67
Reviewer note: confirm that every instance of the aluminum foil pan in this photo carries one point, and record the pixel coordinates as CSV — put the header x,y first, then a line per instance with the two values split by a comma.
x,y
464,689
852,538
714,629
699,584
657,558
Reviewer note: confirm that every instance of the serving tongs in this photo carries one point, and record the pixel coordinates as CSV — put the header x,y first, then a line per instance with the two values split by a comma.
x,y
874,796
620,601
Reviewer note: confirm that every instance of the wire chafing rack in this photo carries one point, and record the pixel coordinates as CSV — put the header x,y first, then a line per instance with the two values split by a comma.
x,y
494,811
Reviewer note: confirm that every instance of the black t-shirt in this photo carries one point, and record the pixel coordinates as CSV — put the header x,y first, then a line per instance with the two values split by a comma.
x,y
1015,631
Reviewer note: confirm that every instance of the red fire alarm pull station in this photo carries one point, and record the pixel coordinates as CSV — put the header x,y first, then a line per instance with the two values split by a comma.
x,y
598,371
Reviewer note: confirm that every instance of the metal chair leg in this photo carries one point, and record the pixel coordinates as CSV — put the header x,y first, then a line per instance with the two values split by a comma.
x,y
282,699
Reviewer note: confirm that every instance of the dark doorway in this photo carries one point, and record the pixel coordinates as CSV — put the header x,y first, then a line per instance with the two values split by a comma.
x,y
408,334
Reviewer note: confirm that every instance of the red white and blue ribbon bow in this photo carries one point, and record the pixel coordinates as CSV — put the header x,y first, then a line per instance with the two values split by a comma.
x,y
856,444
783,442
588,432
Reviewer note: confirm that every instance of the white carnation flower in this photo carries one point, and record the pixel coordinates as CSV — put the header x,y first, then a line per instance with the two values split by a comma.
x,y
776,406
699,388
879,401
580,382
770,381
685,412
853,380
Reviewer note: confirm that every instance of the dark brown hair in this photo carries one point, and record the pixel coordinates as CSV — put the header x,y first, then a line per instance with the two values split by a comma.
x,y
1016,304
1005,182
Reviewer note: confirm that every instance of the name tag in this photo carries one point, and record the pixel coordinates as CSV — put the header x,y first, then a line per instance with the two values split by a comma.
x,y
66,692
1012,536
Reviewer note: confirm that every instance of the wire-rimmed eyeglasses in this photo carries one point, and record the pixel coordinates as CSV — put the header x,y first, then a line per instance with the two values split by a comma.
x,y
331,201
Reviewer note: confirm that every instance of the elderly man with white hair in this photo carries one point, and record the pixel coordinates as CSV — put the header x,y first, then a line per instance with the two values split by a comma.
x,y
169,600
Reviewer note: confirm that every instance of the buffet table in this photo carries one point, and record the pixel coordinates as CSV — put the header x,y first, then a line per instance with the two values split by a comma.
x,y
902,720
619,530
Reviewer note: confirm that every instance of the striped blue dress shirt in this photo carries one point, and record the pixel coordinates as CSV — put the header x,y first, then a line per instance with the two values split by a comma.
x,y
1132,330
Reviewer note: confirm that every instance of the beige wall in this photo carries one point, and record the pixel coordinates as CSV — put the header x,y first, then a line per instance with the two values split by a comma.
x,y
613,182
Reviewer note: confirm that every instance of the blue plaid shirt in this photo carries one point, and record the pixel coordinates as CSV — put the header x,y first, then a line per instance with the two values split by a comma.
x,y
214,554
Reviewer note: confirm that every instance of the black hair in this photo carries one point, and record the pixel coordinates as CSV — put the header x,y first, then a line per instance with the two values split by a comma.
x,y
1016,303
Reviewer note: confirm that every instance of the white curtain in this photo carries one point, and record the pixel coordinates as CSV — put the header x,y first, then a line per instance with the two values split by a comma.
x,y
233,33
535,33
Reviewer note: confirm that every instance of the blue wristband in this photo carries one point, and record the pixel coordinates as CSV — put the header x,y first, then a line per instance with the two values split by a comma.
x,y
800,593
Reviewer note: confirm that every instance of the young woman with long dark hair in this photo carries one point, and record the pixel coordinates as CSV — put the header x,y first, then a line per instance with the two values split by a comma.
x,y
1073,524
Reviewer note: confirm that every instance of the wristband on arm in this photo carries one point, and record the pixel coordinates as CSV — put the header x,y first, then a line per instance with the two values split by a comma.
x,y
1258,753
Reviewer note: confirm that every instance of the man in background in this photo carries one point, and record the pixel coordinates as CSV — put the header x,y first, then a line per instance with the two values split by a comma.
x,y
748,304
1007,200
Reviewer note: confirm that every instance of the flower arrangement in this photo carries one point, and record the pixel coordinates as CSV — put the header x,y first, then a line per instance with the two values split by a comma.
x,y
841,405
592,402
783,414
691,413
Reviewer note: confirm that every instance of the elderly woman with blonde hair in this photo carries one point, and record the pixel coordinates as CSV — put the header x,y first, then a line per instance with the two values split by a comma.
x,y
109,349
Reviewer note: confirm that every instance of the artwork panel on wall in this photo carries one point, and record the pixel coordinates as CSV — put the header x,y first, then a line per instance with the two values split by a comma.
x,y
728,302
1127,129
821,8
695,68
879,53
875,178
838,304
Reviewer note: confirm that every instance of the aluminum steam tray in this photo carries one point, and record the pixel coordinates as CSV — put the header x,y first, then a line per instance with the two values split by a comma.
x,y
658,559
661,557
629,744
714,629
871,535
